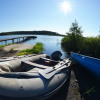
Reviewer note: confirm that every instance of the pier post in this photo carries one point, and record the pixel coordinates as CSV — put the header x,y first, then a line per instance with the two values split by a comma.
x,y
6,42
12,41
17,39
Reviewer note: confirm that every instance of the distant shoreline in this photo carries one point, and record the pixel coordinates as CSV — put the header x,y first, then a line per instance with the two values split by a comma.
x,y
31,33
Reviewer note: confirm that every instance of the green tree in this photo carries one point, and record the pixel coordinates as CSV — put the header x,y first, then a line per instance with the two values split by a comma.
x,y
75,29
74,39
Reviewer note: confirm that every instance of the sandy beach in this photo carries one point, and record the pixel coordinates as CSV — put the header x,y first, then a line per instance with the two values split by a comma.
x,y
18,47
12,50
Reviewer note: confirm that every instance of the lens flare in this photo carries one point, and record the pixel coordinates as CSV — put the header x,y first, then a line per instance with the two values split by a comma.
x,y
66,7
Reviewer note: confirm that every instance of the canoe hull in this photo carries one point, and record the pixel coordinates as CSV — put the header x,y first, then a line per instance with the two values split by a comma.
x,y
90,63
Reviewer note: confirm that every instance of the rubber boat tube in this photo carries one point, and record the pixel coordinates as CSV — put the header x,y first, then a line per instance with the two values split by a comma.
x,y
32,86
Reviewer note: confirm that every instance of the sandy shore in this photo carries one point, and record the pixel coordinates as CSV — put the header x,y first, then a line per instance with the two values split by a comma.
x,y
7,52
18,47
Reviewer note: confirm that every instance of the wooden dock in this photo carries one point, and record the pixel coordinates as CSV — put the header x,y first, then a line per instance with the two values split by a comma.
x,y
18,38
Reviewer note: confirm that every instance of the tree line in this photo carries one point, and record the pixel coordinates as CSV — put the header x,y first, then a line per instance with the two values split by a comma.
x,y
31,33
75,42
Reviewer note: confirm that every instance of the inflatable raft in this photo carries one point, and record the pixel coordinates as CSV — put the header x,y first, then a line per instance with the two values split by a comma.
x,y
33,77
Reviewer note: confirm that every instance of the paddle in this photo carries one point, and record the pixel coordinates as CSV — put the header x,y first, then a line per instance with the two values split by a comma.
x,y
51,71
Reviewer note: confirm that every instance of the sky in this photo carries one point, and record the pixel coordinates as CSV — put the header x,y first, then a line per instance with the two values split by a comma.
x,y
51,15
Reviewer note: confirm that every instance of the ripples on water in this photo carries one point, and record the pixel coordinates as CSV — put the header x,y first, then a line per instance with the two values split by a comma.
x,y
51,43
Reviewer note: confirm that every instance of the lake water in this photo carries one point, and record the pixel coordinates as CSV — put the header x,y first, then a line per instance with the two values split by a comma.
x,y
51,43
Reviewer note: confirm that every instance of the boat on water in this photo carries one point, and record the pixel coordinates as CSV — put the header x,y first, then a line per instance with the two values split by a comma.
x,y
90,63
33,77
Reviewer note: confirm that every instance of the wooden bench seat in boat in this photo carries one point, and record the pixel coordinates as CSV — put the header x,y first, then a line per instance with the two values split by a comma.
x,y
43,64
34,64
49,60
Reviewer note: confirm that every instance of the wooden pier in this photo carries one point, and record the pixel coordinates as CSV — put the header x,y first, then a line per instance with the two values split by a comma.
x,y
18,39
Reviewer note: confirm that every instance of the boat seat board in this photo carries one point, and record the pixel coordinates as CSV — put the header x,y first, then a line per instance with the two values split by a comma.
x,y
35,64
49,60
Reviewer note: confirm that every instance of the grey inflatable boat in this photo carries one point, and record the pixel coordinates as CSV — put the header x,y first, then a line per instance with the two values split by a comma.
x,y
32,76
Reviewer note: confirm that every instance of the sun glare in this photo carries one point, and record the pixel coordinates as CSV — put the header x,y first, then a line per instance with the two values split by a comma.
x,y
66,7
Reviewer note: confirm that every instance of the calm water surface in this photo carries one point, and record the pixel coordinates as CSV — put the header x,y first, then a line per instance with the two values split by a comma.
x,y
51,43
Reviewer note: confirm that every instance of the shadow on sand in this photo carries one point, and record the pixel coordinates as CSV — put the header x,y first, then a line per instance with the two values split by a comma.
x,y
89,87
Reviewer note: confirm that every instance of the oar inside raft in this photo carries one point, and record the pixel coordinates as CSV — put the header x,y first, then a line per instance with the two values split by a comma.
x,y
51,71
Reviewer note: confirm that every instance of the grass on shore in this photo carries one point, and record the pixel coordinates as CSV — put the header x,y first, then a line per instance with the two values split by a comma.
x,y
1,46
38,48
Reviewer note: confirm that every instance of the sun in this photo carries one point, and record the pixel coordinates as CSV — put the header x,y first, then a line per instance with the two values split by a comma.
x,y
66,7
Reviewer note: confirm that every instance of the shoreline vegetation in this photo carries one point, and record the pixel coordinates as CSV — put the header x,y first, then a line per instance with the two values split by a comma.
x,y
75,42
20,49
38,48
1,46
31,33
